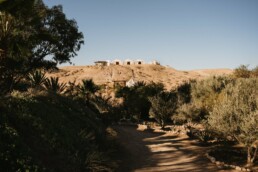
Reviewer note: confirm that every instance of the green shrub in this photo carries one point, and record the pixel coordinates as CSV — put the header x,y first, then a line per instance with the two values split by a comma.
x,y
37,78
163,107
236,114
48,132
187,113
205,93
53,85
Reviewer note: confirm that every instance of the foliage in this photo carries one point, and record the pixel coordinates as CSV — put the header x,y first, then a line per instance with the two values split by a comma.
x,y
163,106
37,78
53,85
236,114
206,92
136,101
255,72
242,72
187,112
33,36
88,87
48,132
205,136
184,92
72,90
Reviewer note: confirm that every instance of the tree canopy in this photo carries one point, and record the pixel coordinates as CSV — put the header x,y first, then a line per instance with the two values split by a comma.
x,y
34,36
163,106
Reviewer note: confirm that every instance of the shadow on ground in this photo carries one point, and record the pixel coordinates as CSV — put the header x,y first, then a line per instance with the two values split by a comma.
x,y
147,151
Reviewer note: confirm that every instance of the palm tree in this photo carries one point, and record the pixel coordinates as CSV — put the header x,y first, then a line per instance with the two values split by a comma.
x,y
88,88
54,85
37,78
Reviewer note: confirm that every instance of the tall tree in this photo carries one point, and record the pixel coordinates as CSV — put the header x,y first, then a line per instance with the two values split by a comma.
x,y
34,36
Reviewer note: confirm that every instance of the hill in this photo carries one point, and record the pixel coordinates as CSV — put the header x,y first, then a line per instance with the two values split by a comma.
x,y
101,75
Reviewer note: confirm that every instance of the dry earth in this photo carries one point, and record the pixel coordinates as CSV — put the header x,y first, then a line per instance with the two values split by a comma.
x,y
170,77
158,152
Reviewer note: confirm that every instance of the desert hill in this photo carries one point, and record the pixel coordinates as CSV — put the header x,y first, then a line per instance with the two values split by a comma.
x,y
170,77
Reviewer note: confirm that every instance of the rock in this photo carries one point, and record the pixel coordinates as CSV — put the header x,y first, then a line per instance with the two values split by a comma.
x,y
218,163
232,166
238,168
213,160
220,167
246,169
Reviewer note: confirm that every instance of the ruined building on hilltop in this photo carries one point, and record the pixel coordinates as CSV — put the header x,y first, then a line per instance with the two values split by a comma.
x,y
126,62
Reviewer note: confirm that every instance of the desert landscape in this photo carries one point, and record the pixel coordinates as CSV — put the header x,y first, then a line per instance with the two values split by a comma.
x,y
150,86
106,75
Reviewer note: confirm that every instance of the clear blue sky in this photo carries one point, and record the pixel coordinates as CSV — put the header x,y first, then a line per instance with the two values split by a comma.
x,y
184,34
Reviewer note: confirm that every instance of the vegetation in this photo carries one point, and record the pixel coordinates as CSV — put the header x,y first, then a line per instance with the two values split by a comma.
x,y
163,106
37,78
243,72
49,132
236,115
33,36
53,85
136,102
39,130
66,131
201,98
87,89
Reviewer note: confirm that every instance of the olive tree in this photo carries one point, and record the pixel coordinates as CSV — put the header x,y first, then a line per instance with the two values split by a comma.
x,y
236,115
197,98
163,106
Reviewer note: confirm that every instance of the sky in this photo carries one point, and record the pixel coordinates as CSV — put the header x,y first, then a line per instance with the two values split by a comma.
x,y
183,34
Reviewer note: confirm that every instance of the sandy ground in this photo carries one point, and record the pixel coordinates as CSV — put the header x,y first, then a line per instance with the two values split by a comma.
x,y
159,152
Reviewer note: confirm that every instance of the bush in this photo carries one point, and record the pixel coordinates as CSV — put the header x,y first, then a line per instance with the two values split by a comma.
x,y
242,72
187,113
206,92
236,114
163,107
48,132
136,101
52,84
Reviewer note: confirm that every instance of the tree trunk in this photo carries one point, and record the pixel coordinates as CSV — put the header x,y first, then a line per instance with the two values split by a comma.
x,y
162,125
254,155
249,163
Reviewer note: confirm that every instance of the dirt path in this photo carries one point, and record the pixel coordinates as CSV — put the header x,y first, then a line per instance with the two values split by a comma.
x,y
159,152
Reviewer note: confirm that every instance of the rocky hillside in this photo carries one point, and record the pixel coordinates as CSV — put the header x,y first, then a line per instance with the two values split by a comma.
x,y
107,74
